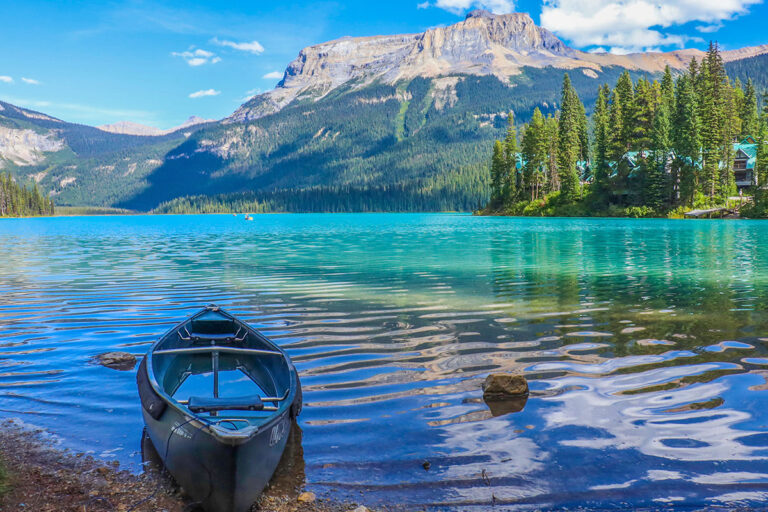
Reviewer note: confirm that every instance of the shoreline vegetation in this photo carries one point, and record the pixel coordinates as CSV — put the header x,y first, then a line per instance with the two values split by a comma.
x,y
19,201
654,149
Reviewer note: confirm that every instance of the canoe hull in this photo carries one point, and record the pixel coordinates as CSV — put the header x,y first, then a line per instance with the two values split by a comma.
x,y
219,475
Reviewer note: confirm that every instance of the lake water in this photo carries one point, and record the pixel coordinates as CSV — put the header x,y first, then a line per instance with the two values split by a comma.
x,y
645,344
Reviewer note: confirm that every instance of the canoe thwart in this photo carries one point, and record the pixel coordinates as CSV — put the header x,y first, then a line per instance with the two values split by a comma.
x,y
215,348
239,403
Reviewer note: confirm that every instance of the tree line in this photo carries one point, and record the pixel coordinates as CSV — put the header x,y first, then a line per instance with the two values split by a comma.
x,y
651,147
20,201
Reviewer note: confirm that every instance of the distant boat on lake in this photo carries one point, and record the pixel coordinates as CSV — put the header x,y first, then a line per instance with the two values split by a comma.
x,y
218,400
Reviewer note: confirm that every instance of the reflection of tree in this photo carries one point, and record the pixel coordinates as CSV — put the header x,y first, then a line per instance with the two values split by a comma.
x,y
690,283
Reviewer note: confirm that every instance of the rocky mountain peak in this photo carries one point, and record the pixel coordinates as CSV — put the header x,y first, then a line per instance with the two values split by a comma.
x,y
479,13
482,44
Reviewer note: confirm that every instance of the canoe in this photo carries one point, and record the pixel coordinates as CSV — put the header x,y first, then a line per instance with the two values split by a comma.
x,y
218,400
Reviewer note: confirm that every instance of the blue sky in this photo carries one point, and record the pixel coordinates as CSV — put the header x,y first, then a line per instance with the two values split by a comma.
x,y
157,63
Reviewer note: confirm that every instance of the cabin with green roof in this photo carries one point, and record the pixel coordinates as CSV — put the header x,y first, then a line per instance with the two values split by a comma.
x,y
744,160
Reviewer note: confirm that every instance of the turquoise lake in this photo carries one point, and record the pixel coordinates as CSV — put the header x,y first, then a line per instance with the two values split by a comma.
x,y
645,343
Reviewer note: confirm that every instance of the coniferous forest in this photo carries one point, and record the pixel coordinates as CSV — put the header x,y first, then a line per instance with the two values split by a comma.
x,y
20,201
652,148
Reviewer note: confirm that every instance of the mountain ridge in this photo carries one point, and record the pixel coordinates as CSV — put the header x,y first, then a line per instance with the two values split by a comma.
x,y
369,133
482,44
131,128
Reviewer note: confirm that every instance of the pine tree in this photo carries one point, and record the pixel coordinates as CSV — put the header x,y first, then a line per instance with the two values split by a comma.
x,y
626,96
498,171
569,147
750,121
552,129
668,90
656,194
510,185
534,154
601,119
686,138
642,120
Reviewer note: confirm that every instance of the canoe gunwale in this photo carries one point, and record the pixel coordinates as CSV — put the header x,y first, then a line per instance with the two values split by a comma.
x,y
222,435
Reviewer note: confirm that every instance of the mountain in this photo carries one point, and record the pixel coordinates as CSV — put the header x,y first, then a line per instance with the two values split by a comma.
x,y
482,44
387,122
130,128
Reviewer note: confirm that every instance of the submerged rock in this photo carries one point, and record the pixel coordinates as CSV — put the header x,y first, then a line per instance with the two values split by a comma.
x,y
116,360
499,386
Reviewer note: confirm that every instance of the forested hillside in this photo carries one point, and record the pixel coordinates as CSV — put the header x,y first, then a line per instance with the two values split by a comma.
x,y
18,201
424,135
655,147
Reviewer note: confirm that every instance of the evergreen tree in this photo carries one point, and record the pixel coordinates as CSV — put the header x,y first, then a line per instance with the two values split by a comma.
x,y
601,119
552,129
656,194
642,120
686,138
626,96
668,90
498,174
510,185
569,146
534,153
750,121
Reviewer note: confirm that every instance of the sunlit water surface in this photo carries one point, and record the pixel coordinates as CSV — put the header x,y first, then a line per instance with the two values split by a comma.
x,y
645,344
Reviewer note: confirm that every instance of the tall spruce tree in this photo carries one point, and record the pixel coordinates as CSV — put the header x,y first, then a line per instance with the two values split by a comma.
x,y
642,120
498,171
626,95
552,129
510,185
750,120
686,138
656,194
600,161
534,153
569,146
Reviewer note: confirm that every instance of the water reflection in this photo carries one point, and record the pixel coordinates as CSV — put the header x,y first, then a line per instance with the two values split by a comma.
x,y
644,343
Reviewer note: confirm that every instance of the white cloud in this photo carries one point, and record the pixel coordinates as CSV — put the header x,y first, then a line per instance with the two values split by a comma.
x,y
6,79
252,47
30,81
198,57
634,25
273,75
205,92
461,6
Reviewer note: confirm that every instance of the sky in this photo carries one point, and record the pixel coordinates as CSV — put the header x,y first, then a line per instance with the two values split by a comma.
x,y
157,63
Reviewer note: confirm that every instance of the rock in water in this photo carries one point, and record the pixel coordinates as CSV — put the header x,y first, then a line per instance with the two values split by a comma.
x,y
500,386
117,360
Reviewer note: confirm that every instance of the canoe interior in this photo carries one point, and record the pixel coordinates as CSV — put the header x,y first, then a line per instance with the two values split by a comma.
x,y
215,356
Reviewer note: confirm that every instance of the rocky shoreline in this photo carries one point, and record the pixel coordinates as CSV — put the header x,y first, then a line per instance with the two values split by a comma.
x,y
41,477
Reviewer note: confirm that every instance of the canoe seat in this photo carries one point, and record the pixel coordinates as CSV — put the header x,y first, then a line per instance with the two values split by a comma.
x,y
217,337
238,403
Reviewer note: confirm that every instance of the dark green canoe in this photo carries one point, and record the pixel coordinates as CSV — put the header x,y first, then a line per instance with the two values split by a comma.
x,y
218,400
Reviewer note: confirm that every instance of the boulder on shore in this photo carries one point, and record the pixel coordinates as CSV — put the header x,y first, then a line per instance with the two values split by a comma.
x,y
500,386
122,361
